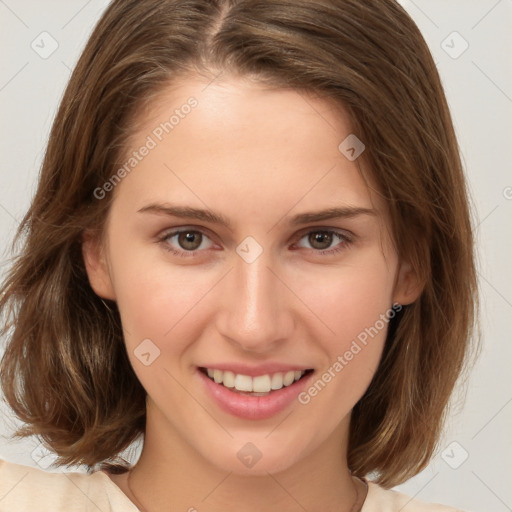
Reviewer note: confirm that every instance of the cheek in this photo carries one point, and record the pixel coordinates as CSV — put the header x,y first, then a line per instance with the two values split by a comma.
x,y
155,299
161,311
350,298
354,306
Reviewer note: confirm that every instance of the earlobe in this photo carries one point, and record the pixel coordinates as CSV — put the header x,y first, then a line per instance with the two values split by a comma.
x,y
408,286
96,266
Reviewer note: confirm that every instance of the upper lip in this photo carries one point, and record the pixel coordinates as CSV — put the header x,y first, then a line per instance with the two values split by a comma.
x,y
255,370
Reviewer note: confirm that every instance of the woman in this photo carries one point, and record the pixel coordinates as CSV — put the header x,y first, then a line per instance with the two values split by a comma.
x,y
251,246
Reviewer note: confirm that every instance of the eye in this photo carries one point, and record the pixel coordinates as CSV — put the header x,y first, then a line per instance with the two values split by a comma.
x,y
190,242
186,242
322,240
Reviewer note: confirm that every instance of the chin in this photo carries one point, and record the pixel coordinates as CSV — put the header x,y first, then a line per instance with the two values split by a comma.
x,y
254,458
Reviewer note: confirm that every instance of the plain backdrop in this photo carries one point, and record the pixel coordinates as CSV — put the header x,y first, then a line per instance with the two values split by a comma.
x,y
471,42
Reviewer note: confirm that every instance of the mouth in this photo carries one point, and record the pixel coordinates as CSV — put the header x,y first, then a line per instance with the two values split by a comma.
x,y
260,385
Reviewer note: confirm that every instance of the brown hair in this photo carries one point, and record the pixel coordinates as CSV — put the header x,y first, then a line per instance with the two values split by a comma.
x,y
65,371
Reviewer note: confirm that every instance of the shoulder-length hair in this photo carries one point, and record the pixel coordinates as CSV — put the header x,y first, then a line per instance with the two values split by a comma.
x,y
65,371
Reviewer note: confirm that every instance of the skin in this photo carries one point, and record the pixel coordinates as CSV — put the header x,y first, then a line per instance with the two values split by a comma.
x,y
258,157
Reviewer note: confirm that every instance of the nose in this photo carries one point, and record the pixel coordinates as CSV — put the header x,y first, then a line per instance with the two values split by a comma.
x,y
255,312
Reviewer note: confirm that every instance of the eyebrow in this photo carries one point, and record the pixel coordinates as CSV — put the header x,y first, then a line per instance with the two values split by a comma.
x,y
205,215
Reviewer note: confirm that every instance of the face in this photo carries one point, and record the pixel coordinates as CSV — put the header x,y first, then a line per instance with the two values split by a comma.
x,y
242,240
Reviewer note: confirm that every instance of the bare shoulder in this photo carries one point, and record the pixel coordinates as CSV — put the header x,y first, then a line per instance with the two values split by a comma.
x,y
388,500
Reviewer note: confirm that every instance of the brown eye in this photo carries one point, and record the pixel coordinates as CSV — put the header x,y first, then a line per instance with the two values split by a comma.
x,y
186,242
320,239
325,242
190,240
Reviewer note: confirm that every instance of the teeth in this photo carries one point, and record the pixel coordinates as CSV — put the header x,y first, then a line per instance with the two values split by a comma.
x,y
288,378
243,383
228,379
260,384
277,381
217,376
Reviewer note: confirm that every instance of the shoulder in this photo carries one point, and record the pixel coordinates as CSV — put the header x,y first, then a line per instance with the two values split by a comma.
x,y
24,488
388,500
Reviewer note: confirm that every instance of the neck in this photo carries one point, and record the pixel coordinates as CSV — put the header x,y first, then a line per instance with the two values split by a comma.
x,y
171,474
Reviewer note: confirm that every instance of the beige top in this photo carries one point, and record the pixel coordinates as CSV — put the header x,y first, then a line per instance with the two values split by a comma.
x,y
25,489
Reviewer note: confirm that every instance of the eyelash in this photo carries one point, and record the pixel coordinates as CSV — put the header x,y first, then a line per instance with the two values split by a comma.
x,y
345,240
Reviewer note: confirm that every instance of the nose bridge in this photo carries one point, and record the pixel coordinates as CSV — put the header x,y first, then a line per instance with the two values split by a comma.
x,y
256,311
258,292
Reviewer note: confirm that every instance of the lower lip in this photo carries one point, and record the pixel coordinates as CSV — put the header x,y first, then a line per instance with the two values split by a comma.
x,y
253,407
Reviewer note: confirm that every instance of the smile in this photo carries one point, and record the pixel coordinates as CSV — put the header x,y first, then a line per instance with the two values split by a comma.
x,y
256,397
260,385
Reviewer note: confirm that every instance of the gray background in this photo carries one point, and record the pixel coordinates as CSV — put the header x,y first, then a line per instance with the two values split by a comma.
x,y
472,467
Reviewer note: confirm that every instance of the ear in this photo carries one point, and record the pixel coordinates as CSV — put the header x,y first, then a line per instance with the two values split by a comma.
x,y
96,266
408,286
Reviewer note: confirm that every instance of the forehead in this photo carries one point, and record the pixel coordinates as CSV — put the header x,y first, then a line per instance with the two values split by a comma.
x,y
256,145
